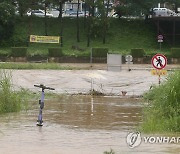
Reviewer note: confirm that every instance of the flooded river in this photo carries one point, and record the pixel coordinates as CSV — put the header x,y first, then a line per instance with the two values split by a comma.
x,y
77,125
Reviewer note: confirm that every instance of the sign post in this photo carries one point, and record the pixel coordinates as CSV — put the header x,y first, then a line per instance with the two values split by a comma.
x,y
160,40
159,62
129,59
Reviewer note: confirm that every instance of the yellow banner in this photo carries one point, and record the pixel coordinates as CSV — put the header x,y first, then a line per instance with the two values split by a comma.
x,y
44,39
159,72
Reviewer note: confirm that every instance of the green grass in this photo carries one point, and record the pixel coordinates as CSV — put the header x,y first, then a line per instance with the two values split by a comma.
x,y
109,152
10,100
53,66
122,36
163,112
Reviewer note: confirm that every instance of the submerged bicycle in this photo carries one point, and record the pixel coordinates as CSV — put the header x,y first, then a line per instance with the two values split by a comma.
x,y
41,103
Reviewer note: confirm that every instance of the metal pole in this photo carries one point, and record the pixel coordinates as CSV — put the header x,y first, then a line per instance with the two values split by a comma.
x,y
160,46
92,84
174,31
92,106
159,78
91,58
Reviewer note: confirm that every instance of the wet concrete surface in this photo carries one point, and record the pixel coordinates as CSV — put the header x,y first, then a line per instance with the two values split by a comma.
x,y
77,125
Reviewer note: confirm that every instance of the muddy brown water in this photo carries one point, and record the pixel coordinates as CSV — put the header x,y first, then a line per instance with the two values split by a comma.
x,y
76,125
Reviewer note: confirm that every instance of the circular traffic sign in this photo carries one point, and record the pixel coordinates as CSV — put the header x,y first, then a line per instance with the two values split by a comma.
x,y
160,37
159,61
129,58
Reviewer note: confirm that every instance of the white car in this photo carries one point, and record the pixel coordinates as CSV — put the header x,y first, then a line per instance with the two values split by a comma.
x,y
74,14
163,12
39,13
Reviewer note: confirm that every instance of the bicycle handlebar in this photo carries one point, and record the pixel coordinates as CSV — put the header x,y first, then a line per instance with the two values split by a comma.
x,y
43,87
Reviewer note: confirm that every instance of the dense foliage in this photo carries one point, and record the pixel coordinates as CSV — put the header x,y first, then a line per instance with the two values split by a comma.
x,y
137,53
175,52
163,112
99,52
6,21
55,52
19,51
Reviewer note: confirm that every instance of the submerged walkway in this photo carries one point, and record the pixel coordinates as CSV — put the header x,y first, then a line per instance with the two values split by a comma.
x,y
134,82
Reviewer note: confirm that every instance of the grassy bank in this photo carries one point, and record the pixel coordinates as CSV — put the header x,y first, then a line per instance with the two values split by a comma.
x,y
163,112
10,100
122,36
52,66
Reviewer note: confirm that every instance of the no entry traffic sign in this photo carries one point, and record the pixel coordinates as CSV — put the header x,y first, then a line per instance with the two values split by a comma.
x,y
159,61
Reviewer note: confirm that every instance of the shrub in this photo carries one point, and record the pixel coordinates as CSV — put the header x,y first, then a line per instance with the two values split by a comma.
x,y
164,104
18,51
109,152
99,52
36,56
10,101
137,53
2,54
175,52
55,52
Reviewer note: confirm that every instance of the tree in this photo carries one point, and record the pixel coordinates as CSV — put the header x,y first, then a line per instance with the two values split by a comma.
x,y
60,4
97,21
78,38
85,14
134,7
7,13
61,20
88,5
46,5
127,7
175,3
24,5
146,5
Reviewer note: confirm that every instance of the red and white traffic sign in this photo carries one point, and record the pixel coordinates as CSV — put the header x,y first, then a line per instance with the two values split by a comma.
x,y
159,61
